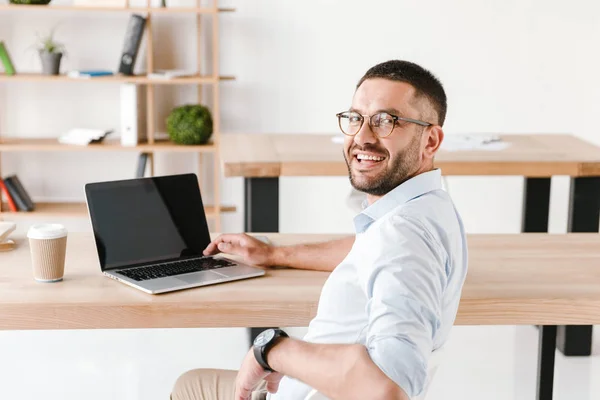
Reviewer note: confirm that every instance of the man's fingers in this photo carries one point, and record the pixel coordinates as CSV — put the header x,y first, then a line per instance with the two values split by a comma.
x,y
274,377
232,248
242,396
242,393
213,247
273,380
272,387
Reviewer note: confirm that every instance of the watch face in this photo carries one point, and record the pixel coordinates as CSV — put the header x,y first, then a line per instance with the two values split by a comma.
x,y
264,337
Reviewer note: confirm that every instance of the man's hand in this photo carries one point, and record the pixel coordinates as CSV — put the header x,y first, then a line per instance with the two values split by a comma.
x,y
252,250
250,375
316,256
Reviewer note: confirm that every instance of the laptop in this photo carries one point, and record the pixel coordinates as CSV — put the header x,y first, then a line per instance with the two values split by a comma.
x,y
150,234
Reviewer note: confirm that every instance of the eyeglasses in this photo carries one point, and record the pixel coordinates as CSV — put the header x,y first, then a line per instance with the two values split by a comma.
x,y
382,124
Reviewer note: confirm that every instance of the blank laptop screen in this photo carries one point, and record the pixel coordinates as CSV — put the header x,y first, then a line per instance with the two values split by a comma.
x,y
146,220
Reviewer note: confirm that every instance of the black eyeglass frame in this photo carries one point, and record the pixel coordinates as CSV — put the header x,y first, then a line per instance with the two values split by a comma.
x,y
396,118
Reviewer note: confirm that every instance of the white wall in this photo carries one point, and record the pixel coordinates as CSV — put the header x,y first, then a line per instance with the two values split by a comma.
x,y
509,67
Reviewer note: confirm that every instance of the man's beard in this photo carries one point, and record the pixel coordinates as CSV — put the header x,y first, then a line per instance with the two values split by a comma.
x,y
403,167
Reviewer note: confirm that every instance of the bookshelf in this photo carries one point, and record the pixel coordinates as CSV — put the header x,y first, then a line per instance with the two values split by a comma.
x,y
138,79
153,145
149,10
79,210
24,145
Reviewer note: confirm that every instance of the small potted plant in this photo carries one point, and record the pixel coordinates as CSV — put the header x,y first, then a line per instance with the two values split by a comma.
x,y
51,53
190,124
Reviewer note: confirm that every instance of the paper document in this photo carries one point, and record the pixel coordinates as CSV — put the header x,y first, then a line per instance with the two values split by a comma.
x,y
171,73
473,143
83,137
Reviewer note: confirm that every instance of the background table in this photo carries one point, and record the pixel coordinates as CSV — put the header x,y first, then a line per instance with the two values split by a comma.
x,y
262,159
512,280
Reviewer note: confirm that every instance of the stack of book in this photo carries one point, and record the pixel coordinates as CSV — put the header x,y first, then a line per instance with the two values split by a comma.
x,y
15,194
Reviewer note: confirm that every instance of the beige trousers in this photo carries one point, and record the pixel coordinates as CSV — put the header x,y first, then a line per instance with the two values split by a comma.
x,y
210,384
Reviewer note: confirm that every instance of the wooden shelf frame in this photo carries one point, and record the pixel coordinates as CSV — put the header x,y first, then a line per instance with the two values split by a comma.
x,y
152,146
138,79
216,108
9,145
148,10
79,210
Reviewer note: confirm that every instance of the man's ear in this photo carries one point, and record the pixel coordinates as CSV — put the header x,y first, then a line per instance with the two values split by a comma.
x,y
434,136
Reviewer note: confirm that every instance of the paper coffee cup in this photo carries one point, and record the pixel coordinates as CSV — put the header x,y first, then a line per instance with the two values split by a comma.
x,y
48,244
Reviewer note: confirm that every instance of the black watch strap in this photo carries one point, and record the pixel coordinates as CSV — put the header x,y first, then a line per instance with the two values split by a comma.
x,y
263,343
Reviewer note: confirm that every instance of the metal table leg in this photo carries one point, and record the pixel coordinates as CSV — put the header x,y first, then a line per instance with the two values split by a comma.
x,y
261,205
536,205
536,209
261,214
546,355
584,216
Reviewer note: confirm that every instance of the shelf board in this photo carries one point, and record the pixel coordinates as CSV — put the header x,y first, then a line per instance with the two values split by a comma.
x,y
51,144
78,210
150,10
168,146
139,79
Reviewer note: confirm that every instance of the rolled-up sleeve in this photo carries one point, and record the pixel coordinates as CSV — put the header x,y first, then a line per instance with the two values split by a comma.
x,y
404,285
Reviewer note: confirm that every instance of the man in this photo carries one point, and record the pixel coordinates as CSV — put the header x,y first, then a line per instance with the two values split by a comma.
x,y
394,289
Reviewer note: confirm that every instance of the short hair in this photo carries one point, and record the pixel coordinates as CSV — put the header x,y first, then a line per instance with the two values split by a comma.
x,y
424,82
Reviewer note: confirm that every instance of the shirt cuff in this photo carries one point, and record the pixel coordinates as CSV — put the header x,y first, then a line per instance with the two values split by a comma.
x,y
401,362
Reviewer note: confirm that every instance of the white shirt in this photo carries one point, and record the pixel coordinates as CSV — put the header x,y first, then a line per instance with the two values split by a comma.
x,y
397,291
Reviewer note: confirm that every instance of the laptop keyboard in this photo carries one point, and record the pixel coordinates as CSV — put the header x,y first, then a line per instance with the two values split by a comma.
x,y
175,268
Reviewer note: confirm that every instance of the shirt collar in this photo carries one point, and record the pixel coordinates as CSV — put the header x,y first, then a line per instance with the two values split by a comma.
x,y
412,188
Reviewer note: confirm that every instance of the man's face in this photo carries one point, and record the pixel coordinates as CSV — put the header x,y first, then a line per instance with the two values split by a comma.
x,y
390,160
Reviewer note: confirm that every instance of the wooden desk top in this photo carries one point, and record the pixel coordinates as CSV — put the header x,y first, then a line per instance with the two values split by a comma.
x,y
513,279
272,155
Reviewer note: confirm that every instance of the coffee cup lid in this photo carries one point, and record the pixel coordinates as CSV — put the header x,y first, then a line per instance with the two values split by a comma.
x,y
46,231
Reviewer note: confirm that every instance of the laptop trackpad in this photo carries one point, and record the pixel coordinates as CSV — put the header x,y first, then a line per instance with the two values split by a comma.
x,y
196,277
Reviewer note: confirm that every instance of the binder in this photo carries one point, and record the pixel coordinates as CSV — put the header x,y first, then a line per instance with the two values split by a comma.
x,y
131,45
133,115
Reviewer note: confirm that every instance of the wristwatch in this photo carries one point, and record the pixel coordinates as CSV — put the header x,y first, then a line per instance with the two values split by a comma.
x,y
263,343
